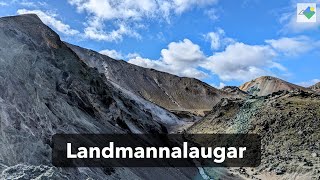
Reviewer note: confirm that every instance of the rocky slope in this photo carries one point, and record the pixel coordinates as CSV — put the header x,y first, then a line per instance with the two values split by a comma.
x,y
315,87
289,124
265,85
46,89
169,91
235,91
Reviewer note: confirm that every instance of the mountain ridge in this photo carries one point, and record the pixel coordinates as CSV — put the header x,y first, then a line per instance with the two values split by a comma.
x,y
166,90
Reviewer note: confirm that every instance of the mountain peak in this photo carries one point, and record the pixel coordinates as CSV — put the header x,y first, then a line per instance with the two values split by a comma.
x,y
265,85
25,18
267,78
29,26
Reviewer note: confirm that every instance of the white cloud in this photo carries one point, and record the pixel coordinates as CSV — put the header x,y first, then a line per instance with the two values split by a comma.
x,y
238,61
181,58
182,5
136,9
220,86
97,33
112,53
218,39
122,9
169,68
126,12
28,3
309,83
213,14
183,53
51,20
132,55
242,62
148,63
118,55
293,46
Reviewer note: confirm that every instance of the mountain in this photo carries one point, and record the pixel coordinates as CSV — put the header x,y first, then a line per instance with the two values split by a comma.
x,y
47,89
166,90
265,85
289,124
235,91
315,87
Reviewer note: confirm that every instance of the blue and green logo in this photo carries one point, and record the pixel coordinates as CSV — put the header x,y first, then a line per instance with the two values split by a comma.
x,y
309,12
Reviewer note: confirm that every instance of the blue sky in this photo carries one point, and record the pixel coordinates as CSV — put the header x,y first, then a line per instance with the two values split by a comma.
x,y
219,42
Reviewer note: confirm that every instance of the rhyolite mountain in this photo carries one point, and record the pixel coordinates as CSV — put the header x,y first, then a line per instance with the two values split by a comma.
x,y
265,85
45,88
166,90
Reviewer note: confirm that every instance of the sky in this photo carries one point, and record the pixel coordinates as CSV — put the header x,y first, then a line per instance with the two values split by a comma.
x,y
219,42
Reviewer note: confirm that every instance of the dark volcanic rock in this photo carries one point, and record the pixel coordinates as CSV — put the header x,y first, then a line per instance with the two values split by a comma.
x,y
46,89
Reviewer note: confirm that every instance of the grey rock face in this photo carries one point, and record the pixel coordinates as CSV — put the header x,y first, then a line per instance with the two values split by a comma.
x,y
46,89
166,90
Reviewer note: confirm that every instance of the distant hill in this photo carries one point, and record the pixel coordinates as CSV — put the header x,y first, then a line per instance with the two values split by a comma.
x,y
265,85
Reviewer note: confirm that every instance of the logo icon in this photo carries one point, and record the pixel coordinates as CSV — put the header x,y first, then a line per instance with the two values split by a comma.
x,y
306,12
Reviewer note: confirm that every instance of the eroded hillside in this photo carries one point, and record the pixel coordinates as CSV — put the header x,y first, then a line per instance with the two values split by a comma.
x,y
289,124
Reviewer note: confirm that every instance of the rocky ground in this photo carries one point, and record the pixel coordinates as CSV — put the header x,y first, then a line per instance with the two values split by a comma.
x,y
289,123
